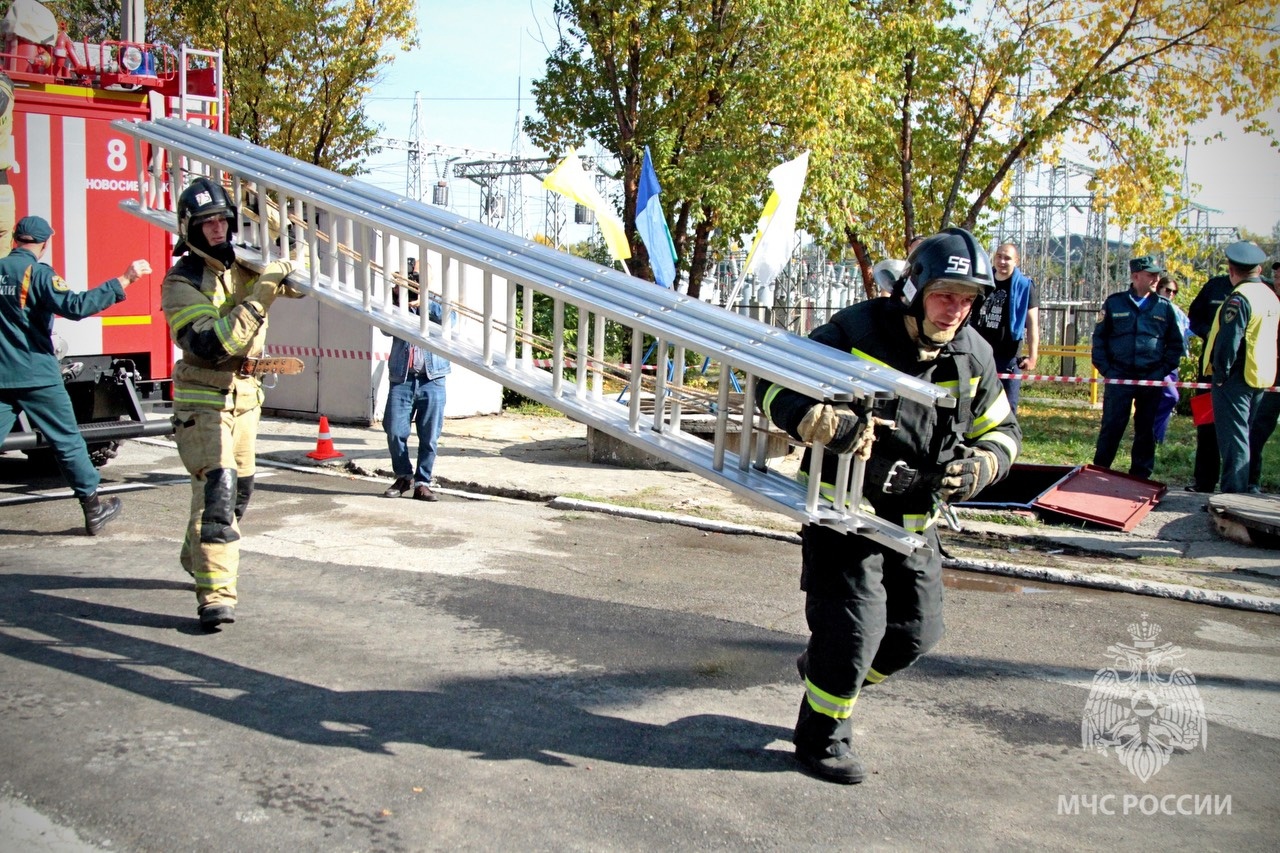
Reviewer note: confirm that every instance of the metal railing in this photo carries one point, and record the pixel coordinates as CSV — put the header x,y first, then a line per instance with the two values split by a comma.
x,y
353,240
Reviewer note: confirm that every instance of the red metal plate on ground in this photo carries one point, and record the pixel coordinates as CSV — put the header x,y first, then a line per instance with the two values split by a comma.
x,y
1103,497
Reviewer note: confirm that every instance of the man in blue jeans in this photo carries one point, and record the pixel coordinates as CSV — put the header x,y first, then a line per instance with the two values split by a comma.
x,y
416,398
1137,337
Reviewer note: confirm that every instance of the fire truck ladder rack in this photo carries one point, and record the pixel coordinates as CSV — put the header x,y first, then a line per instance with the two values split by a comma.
x,y
479,265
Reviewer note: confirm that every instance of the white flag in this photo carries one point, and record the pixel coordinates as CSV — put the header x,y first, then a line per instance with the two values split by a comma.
x,y
776,233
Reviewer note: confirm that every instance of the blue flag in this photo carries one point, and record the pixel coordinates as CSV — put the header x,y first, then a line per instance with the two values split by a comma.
x,y
652,225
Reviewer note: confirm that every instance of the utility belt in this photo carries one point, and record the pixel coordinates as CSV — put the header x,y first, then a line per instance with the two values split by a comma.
x,y
896,477
206,373
258,366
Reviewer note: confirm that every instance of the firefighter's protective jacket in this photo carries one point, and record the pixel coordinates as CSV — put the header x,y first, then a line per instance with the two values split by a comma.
x,y
924,438
216,324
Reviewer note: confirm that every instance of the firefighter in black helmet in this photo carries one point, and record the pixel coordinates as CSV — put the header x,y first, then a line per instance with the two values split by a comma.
x,y
871,610
217,313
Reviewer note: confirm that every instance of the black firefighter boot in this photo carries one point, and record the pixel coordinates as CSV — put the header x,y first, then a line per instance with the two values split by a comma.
x,y
823,749
98,511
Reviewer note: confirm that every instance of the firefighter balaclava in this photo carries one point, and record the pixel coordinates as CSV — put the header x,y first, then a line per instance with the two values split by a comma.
x,y
950,261
199,203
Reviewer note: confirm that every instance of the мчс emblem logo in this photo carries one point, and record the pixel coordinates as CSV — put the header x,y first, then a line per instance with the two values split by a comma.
x,y
1138,710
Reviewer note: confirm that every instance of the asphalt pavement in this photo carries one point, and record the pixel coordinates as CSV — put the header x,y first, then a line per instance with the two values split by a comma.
x,y
1174,551
490,671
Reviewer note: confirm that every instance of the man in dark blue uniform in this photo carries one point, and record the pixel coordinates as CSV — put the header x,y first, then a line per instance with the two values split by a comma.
x,y
1137,337
872,611
1242,358
31,293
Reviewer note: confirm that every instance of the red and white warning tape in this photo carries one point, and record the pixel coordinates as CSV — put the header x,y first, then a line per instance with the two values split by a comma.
x,y
365,355
1146,383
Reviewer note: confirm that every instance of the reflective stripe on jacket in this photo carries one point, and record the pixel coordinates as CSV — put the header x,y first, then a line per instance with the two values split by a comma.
x,y
201,302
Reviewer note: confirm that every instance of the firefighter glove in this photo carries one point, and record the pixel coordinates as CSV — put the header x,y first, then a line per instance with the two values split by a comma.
x,y
277,272
965,477
838,427
264,292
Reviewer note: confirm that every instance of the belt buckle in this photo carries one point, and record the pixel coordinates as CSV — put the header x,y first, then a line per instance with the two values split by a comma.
x,y
248,367
899,479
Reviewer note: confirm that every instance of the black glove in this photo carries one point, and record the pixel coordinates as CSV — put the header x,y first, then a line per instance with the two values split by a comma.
x,y
967,476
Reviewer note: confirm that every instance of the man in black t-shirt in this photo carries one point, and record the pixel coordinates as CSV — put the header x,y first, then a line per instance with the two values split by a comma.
x,y
1010,315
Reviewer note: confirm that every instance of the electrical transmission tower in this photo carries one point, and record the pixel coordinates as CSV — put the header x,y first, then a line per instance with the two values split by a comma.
x,y
487,173
515,182
413,145
413,173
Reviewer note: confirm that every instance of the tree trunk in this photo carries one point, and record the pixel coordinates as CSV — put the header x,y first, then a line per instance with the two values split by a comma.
x,y
698,263
864,262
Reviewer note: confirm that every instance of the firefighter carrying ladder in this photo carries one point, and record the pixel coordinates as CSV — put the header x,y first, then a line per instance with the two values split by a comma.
x,y
338,226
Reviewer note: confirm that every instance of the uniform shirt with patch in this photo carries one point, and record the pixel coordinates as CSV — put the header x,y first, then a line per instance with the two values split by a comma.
x,y
31,295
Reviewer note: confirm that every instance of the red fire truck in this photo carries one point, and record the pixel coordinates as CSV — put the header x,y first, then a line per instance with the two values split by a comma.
x,y
74,170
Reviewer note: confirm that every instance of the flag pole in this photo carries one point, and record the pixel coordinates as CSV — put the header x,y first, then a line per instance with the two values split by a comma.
x,y
737,287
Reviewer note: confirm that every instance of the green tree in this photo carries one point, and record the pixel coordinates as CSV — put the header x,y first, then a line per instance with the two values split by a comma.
x,y
717,89
297,72
1009,82
917,113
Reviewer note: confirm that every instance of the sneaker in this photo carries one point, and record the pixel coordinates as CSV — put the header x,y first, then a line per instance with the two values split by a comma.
x,y
398,488
216,614
422,492
838,763
1194,487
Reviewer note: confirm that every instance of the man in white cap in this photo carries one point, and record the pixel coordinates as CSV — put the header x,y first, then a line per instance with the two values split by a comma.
x,y
1241,359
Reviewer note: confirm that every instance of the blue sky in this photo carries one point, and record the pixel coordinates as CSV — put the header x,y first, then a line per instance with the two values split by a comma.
x,y
476,56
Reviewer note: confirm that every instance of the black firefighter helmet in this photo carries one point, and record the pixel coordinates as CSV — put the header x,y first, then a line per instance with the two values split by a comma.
x,y
950,257
203,200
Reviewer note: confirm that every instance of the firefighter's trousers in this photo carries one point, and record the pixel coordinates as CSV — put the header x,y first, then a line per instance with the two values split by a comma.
x,y
871,612
217,449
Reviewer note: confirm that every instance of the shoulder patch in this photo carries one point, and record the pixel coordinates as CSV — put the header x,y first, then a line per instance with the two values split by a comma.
x,y
1230,310
59,285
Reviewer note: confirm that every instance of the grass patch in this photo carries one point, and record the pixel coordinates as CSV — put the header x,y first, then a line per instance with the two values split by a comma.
x,y
1054,434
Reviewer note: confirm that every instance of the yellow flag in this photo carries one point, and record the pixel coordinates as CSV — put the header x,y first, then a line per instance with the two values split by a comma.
x,y
568,179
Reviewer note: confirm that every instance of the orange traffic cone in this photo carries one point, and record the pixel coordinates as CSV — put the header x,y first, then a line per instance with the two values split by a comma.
x,y
324,444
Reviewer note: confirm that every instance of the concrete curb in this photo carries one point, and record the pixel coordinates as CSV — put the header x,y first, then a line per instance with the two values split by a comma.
x,y
1157,589
708,524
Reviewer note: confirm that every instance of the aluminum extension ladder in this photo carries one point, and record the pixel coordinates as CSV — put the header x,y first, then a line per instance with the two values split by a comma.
x,y
332,218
